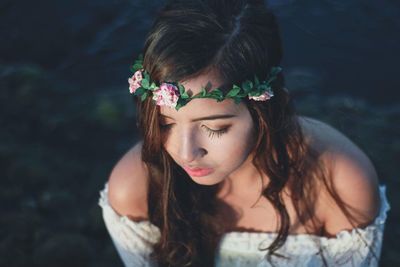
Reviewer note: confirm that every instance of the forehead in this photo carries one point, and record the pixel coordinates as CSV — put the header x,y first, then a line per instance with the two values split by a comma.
x,y
203,107
199,107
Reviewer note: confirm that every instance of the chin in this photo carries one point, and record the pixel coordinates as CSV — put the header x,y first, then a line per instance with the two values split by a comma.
x,y
205,180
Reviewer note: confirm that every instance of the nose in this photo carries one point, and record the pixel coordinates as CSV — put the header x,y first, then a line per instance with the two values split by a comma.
x,y
190,148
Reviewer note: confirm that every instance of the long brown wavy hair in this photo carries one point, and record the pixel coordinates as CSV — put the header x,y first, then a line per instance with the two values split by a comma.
x,y
237,39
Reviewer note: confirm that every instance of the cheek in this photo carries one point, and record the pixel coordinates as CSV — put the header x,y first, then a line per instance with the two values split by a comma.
x,y
169,147
236,145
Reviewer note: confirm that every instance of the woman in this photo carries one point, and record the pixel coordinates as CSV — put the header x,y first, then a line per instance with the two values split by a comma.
x,y
226,173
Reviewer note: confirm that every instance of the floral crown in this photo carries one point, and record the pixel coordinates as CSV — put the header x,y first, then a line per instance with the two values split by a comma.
x,y
173,94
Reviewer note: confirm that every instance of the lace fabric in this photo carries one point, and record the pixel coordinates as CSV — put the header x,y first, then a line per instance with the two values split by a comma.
x,y
134,240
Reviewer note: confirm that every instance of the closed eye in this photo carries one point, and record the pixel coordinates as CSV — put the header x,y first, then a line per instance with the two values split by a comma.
x,y
165,126
211,132
218,133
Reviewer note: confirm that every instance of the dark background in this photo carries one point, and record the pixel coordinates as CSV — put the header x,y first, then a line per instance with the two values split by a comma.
x,y
66,115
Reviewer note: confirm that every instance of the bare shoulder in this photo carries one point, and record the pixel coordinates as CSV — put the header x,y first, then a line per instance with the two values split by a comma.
x,y
353,177
128,185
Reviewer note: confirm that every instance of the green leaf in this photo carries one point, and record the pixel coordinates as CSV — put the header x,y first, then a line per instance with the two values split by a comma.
x,y
203,91
201,94
181,89
255,93
184,95
216,92
153,86
178,106
234,91
181,102
137,66
247,85
242,95
262,87
139,91
145,83
256,80
208,86
144,96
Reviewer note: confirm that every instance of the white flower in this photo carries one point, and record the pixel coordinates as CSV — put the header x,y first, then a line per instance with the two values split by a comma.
x,y
264,96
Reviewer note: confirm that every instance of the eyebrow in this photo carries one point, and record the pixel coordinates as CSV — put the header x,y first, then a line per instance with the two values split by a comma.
x,y
208,118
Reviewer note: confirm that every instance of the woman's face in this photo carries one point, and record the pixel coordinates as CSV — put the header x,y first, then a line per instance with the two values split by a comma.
x,y
216,137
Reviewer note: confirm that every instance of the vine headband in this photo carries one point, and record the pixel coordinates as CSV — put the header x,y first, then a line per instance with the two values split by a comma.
x,y
173,94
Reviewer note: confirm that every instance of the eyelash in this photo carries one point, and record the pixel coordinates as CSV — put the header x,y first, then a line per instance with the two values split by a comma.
x,y
211,133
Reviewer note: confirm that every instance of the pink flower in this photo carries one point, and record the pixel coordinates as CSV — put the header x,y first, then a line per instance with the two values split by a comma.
x,y
134,81
263,97
166,95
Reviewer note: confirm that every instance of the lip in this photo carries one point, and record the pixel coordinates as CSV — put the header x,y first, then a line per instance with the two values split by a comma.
x,y
198,172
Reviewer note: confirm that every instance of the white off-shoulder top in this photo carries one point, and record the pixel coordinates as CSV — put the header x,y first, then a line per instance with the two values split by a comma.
x,y
134,240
